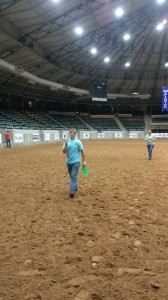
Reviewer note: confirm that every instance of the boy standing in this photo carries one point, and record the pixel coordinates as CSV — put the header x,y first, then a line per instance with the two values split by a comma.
x,y
73,149
8,137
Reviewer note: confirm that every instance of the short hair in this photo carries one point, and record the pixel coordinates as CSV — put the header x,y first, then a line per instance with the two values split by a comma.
x,y
72,129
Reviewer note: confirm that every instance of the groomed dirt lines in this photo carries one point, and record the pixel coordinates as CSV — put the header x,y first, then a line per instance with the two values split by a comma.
x,y
108,243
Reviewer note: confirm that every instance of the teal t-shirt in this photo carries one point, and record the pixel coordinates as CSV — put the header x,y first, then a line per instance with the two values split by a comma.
x,y
74,148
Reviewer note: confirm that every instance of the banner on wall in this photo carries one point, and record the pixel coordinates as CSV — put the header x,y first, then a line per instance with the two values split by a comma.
x,y
47,136
133,135
161,135
56,137
100,135
86,135
165,98
36,137
19,138
0,138
64,135
118,135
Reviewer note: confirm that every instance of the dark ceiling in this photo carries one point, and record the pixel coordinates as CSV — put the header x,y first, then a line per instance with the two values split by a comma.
x,y
38,36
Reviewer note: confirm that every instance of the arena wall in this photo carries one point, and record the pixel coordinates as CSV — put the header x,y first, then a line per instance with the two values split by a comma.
x,y
28,137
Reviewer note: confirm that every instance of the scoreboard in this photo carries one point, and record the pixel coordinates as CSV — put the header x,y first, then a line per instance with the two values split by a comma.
x,y
99,90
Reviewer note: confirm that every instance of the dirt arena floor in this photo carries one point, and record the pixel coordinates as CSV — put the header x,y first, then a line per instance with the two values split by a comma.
x,y
108,243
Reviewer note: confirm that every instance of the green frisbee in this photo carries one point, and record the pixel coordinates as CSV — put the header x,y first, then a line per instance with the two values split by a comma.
x,y
85,170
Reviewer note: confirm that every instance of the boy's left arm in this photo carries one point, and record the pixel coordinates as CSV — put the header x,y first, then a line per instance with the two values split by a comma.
x,y
83,158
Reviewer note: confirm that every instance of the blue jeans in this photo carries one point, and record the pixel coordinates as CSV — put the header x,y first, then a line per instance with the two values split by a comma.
x,y
73,170
150,149
8,143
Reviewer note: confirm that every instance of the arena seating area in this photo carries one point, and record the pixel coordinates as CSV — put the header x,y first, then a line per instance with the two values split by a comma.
x,y
44,121
159,123
28,119
98,123
159,119
133,123
10,118
70,121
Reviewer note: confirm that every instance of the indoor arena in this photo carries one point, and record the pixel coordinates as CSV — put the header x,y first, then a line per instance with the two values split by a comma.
x,y
83,149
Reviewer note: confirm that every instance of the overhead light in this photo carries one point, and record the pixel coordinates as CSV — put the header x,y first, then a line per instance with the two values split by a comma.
x,y
135,93
79,30
126,37
127,64
119,12
160,1
166,64
164,21
107,59
93,50
160,26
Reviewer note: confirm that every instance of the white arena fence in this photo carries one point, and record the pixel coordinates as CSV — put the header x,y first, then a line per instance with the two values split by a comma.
x,y
28,137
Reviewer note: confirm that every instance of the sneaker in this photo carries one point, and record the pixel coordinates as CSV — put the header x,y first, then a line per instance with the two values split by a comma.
x,y
71,195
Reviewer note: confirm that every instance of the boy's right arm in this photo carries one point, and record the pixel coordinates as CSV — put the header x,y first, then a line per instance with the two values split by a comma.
x,y
64,148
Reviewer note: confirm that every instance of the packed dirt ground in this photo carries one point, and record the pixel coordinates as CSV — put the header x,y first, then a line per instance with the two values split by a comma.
x,y
108,243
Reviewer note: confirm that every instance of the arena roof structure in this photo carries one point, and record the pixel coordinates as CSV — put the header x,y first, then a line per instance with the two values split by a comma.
x,y
56,48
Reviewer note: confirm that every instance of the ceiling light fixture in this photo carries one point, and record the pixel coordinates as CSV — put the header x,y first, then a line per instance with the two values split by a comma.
x,y
164,21
79,30
93,50
119,12
166,64
107,59
126,37
159,26
127,64
160,1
